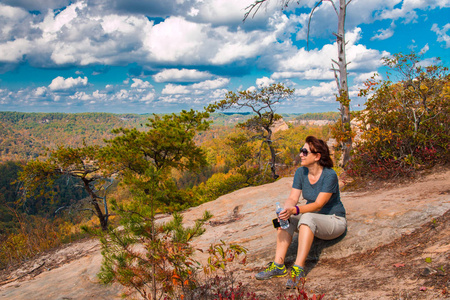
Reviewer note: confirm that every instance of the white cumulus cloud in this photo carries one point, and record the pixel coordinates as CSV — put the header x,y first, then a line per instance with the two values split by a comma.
x,y
14,51
211,84
316,64
176,39
384,34
149,97
40,91
59,83
200,88
83,96
181,75
264,82
324,92
140,84
442,34
365,76
231,12
171,89
12,13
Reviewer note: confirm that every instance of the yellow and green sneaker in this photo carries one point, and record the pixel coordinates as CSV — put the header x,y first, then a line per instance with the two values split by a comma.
x,y
272,270
297,273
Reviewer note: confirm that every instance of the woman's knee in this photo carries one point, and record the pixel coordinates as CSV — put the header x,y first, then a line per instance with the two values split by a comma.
x,y
307,217
308,220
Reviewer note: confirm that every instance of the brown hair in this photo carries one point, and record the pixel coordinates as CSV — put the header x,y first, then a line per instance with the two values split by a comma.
x,y
319,146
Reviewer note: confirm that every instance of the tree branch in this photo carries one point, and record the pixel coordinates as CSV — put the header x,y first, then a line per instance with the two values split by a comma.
x,y
23,275
334,6
257,4
336,75
309,23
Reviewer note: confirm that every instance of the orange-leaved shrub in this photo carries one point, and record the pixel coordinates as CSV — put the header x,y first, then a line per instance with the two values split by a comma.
x,y
35,235
405,126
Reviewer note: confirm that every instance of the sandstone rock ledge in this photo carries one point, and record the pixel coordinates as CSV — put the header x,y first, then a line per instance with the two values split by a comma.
x,y
375,217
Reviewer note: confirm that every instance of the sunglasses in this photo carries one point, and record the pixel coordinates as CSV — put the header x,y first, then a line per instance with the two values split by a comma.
x,y
305,151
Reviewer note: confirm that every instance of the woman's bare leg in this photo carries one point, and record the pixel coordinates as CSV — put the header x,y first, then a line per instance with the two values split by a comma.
x,y
284,239
305,240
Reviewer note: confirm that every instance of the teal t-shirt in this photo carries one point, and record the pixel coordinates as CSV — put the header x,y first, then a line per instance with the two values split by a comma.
x,y
327,183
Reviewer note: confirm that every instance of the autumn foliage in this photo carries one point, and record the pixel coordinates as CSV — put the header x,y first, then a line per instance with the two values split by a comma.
x,y
405,126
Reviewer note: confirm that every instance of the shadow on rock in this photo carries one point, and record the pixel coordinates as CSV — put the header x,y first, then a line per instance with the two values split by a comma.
x,y
314,254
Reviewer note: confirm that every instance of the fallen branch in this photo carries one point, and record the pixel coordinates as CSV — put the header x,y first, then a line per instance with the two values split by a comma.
x,y
23,275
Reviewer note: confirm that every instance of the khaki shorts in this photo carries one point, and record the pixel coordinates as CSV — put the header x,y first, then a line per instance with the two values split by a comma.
x,y
325,227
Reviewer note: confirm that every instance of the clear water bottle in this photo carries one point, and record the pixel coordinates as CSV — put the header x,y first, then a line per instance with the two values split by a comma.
x,y
283,223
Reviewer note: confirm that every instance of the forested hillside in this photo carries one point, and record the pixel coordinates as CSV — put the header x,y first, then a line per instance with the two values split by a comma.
x,y
331,116
24,136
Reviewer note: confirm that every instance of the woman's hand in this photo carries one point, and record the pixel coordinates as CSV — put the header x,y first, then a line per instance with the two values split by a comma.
x,y
286,213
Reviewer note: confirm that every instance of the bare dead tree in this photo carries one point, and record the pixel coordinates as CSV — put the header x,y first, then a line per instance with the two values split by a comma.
x,y
339,67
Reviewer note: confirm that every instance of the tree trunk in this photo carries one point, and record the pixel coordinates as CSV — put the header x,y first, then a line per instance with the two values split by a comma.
x,y
272,154
153,276
343,84
272,162
98,211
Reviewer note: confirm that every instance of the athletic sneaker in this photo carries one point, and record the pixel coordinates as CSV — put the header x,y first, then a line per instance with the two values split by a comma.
x,y
272,270
297,273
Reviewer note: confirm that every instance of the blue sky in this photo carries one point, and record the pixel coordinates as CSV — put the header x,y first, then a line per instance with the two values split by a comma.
x,y
159,56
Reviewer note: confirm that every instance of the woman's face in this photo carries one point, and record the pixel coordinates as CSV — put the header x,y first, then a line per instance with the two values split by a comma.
x,y
309,158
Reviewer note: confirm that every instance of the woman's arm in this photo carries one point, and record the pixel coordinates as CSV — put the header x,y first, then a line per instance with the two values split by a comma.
x,y
289,206
320,202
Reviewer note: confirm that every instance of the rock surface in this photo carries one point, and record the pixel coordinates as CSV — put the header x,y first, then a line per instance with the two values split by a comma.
x,y
374,217
279,125
377,216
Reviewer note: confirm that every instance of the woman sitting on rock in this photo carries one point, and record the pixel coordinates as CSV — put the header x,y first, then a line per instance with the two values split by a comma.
x,y
322,216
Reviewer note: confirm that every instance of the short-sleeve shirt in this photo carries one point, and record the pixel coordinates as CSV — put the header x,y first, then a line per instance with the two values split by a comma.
x,y
327,183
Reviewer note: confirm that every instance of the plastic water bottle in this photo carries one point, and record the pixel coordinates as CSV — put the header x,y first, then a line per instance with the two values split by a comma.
x,y
283,223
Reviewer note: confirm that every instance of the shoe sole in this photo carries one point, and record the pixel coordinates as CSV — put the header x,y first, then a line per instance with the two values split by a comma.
x,y
291,287
271,277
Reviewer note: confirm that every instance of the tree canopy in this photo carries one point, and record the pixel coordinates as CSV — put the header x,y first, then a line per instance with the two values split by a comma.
x,y
80,163
263,103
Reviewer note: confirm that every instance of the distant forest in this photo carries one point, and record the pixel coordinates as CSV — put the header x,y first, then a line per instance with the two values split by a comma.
x,y
332,116
25,136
